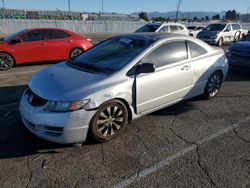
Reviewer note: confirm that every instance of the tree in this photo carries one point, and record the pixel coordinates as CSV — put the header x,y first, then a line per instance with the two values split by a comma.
x,y
216,17
159,19
143,16
231,15
207,18
195,19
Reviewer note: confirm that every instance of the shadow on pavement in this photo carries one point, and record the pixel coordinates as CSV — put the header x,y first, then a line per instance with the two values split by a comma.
x,y
238,76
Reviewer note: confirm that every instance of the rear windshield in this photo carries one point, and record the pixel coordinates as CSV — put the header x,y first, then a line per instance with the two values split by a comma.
x,y
148,28
215,27
191,27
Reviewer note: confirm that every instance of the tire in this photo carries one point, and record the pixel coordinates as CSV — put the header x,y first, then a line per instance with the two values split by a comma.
x,y
237,36
213,85
6,61
220,42
75,52
110,119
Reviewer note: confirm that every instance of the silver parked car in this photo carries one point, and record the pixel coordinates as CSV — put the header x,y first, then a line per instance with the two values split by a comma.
x,y
119,80
164,28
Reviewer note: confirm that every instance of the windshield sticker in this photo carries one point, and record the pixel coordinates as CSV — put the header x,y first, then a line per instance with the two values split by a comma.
x,y
125,40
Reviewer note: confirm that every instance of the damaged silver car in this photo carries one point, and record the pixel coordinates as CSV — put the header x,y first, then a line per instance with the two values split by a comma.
x,y
121,79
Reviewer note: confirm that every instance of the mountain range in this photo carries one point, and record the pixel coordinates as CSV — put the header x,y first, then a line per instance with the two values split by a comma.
x,y
189,15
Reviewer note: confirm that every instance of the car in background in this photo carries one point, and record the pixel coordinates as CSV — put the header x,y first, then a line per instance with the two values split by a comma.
x,y
239,54
221,33
164,28
117,81
194,30
40,45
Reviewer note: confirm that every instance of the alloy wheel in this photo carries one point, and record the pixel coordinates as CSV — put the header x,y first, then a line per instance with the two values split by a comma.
x,y
109,120
75,52
214,84
6,61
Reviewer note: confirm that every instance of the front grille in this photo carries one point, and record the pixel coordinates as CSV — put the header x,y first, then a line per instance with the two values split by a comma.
x,y
34,99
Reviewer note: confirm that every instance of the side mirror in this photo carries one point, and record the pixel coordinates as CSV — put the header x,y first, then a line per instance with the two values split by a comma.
x,y
226,30
145,68
15,41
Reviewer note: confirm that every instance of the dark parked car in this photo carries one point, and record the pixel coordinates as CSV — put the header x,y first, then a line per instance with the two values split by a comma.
x,y
239,54
39,45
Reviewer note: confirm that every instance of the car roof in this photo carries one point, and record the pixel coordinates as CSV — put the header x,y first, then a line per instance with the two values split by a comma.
x,y
153,36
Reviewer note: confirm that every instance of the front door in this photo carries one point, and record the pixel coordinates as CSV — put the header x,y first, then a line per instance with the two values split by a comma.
x,y
32,48
171,82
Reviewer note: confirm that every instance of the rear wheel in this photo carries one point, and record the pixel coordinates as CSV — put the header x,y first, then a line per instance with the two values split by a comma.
x,y
213,85
220,42
6,61
109,121
237,37
75,52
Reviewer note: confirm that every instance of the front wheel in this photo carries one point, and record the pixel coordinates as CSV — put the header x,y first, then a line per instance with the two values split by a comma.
x,y
109,121
6,61
75,52
213,85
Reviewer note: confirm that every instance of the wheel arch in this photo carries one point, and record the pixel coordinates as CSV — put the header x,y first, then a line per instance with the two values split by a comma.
x,y
9,55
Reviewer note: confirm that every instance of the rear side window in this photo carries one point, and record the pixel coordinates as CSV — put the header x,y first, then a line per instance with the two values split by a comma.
x,y
57,34
236,26
35,35
174,28
167,53
181,28
164,29
195,49
228,28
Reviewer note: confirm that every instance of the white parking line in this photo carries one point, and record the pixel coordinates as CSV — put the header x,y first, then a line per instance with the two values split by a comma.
x,y
14,73
181,153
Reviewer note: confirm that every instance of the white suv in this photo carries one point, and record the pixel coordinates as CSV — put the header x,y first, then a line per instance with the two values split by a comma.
x,y
164,28
220,33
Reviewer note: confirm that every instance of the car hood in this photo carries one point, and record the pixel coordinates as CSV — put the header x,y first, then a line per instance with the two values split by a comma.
x,y
208,33
241,45
62,82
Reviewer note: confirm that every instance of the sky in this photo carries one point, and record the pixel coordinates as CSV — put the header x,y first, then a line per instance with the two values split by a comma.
x,y
129,6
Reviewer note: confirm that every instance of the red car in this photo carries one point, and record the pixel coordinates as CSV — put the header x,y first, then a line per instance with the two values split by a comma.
x,y
39,45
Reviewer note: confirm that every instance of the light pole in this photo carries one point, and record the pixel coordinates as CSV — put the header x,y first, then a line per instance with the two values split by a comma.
x,y
69,5
3,4
177,12
102,6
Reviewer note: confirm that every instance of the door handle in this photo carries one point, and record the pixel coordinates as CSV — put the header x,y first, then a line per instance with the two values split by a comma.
x,y
44,43
186,67
70,41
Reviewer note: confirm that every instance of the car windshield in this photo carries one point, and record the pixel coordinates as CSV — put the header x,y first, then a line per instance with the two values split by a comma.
x,y
111,55
148,28
14,35
215,27
246,37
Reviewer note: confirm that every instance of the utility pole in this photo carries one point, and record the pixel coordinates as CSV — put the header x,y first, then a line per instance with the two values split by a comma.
x,y
178,8
69,5
3,4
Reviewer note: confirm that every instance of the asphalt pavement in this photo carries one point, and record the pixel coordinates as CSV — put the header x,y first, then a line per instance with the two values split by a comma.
x,y
196,143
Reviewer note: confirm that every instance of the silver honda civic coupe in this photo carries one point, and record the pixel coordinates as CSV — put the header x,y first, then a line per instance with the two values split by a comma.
x,y
123,78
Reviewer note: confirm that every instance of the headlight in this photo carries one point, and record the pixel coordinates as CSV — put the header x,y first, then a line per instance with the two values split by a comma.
x,y
213,37
65,106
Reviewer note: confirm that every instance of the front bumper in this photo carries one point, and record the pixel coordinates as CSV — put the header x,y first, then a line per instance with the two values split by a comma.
x,y
59,127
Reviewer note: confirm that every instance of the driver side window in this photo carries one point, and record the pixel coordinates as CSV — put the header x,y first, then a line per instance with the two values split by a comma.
x,y
167,53
35,35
